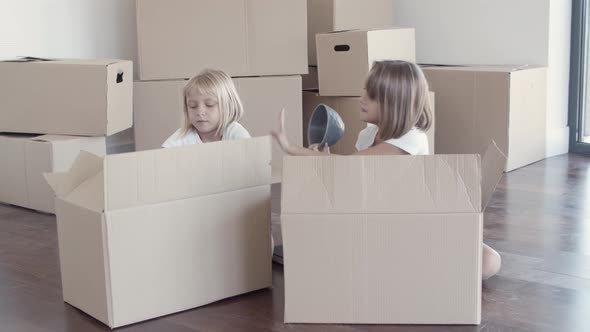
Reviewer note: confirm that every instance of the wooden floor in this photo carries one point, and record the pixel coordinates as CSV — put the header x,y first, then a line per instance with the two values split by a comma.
x,y
539,220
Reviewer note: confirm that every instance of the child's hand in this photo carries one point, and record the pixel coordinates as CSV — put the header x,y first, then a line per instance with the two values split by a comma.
x,y
316,147
281,135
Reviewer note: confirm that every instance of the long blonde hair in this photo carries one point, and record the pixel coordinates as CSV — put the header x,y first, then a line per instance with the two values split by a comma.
x,y
212,82
402,92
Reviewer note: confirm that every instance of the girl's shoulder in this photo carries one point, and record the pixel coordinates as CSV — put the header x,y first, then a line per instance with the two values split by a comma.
x,y
177,139
236,131
414,142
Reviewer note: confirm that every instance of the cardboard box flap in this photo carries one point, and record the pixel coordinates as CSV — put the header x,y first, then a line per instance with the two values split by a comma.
x,y
26,59
381,184
481,68
19,137
492,169
156,176
53,138
365,30
96,62
83,184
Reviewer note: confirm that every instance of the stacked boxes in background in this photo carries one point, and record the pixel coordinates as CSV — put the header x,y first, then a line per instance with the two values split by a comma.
x,y
261,44
339,15
343,59
483,90
50,110
477,104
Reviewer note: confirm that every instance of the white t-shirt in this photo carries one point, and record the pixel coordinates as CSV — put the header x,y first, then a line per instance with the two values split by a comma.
x,y
233,131
414,142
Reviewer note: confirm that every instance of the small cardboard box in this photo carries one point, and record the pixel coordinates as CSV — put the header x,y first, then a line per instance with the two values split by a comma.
x,y
26,157
475,105
66,97
146,234
345,58
337,15
349,110
179,38
158,110
385,239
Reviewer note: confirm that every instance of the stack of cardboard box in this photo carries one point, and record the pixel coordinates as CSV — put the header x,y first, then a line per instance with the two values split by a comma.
x,y
50,110
345,37
261,44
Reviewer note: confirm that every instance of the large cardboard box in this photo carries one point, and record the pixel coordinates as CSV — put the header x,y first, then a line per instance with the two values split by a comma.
x,y
507,104
345,58
349,110
158,110
67,97
338,15
385,239
26,157
179,38
146,234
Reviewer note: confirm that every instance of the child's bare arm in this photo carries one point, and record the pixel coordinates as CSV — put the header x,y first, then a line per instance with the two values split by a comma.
x,y
292,149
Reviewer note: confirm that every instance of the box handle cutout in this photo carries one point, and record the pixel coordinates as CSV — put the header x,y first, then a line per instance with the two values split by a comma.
x,y
119,77
342,48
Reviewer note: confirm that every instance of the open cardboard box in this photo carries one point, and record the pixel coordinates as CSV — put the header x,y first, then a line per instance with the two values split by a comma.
x,y
385,239
26,157
146,234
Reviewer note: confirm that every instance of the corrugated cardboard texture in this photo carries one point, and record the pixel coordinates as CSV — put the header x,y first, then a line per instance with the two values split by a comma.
x,y
82,251
527,120
188,253
28,157
157,176
119,97
382,269
364,47
337,15
381,184
66,97
492,166
475,107
158,110
385,239
263,99
349,109
39,160
333,80
13,175
257,37
190,246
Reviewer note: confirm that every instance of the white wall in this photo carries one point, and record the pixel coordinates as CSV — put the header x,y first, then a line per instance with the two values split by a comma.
x,y
70,29
535,32
558,76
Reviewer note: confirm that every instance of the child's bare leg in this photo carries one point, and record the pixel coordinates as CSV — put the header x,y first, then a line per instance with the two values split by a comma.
x,y
491,262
